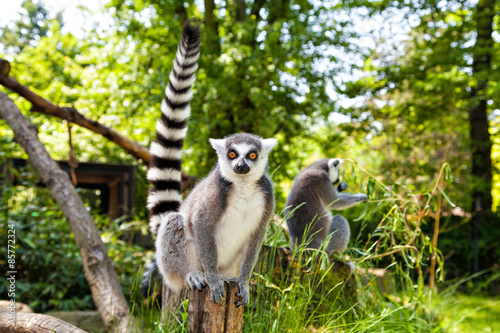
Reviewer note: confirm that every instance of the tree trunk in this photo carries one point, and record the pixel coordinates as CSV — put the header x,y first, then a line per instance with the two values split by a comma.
x,y
478,113
97,265
277,10
35,323
212,29
478,120
240,14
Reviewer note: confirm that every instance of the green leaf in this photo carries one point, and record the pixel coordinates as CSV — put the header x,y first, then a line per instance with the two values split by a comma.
x,y
446,197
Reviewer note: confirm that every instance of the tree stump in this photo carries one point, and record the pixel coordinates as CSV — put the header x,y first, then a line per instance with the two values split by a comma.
x,y
207,317
280,265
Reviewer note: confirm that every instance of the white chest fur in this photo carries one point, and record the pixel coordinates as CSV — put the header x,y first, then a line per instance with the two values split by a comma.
x,y
241,219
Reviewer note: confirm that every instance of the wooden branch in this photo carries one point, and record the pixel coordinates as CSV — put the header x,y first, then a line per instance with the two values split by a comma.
x,y
72,115
34,323
97,266
4,67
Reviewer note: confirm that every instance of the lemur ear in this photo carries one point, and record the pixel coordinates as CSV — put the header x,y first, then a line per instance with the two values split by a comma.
x,y
335,163
219,145
268,145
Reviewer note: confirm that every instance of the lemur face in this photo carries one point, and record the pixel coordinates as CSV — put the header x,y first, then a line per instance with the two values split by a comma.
x,y
334,165
243,155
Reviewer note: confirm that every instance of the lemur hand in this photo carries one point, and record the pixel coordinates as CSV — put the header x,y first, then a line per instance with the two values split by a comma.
x,y
362,197
244,291
342,187
216,284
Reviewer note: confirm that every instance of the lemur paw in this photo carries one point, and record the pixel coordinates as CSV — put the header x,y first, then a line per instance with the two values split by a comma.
x,y
196,281
351,265
244,291
216,284
342,187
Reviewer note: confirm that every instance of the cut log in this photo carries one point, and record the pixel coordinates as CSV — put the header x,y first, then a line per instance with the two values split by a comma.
x,y
34,323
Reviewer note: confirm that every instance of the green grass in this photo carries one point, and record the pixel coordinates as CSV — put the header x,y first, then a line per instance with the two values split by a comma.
x,y
295,305
297,301
470,313
406,309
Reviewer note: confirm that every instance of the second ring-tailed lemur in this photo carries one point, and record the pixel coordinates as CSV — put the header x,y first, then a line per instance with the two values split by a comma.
x,y
217,232
315,191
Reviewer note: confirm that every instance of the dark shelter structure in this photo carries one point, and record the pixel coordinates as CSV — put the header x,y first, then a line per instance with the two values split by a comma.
x,y
116,183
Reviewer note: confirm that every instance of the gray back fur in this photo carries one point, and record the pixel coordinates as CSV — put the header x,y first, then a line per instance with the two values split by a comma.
x,y
311,198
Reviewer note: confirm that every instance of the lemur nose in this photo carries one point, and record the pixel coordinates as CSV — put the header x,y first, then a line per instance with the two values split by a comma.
x,y
241,168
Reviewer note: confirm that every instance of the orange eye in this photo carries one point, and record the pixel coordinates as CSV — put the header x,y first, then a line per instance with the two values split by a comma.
x,y
253,156
232,154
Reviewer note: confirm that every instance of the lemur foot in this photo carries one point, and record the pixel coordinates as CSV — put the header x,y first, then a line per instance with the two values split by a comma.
x,y
216,284
196,281
244,291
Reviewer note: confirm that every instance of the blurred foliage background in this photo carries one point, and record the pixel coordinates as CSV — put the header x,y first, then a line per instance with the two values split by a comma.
x,y
399,87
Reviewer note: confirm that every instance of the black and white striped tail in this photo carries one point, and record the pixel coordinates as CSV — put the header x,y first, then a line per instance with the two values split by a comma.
x,y
164,172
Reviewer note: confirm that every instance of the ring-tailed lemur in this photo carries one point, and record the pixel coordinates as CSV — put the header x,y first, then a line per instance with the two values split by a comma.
x,y
315,191
217,232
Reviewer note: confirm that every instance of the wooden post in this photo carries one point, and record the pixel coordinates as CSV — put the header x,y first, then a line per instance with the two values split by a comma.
x,y
207,317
